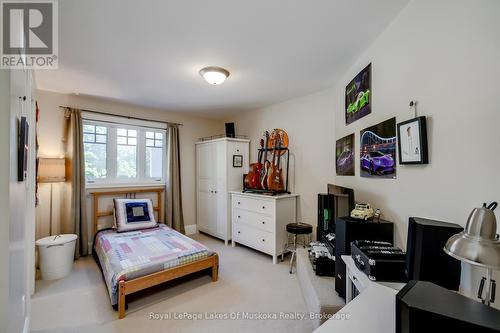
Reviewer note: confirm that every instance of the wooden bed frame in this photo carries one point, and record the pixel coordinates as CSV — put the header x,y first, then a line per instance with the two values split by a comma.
x,y
131,286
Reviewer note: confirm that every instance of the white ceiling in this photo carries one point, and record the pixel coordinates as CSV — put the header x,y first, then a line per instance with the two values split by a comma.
x,y
149,52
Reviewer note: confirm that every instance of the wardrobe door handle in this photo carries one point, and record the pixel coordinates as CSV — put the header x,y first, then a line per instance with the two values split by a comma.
x,y
263,222
239,217
239,203
239,232
263,240
263,207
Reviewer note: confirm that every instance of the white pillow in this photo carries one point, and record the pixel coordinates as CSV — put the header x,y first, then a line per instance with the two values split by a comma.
x,y
134,214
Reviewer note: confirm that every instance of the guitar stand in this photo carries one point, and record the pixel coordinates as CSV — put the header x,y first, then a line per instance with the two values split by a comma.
x,y
286,155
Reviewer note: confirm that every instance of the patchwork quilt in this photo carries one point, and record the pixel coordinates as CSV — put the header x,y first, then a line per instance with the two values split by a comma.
x,y
128,255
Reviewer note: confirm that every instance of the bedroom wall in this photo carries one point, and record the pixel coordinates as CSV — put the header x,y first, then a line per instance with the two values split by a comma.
x,y
17,202
4,197
51,133
442,54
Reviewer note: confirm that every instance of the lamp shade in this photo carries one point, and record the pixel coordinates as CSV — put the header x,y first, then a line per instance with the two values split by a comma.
x,y
51,170
478,244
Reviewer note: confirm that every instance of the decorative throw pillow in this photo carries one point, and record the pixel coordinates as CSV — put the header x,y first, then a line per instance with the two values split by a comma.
x,y
134,214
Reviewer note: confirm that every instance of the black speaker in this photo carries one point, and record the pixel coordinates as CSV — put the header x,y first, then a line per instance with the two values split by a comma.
x,y
230,132
425,307
425,258
348,229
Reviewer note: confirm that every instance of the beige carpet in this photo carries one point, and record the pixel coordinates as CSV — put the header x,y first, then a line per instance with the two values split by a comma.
x,y
248,283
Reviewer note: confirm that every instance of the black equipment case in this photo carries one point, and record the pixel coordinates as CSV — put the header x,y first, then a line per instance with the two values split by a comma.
x,y
380,261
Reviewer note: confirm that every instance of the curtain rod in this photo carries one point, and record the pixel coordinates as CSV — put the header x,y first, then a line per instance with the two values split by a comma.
x,y
122,116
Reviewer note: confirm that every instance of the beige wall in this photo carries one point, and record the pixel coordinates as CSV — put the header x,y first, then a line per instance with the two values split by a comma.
x,y
442,54
4,196
51,127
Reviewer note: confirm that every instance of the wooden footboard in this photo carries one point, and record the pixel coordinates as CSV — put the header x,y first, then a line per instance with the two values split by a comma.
x,y
143,282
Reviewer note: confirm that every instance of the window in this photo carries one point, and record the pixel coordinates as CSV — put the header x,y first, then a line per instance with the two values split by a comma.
x,y
95,140
154,154
126,153
123,154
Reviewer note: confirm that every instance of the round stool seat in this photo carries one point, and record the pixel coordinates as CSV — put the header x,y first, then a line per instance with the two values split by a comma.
x,y
299,228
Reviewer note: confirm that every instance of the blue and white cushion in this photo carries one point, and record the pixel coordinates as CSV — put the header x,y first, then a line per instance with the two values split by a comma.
x,y
134,214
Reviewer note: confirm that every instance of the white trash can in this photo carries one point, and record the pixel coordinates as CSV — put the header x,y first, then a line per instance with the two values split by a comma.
x,y
56,255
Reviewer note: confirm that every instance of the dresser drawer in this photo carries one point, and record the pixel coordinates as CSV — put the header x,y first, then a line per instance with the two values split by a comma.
x,y
255,220
254,205
255,238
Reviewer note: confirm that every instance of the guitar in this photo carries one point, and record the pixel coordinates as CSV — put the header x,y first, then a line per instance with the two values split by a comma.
x,y
266,164
254,169
283,138
275,177
255,180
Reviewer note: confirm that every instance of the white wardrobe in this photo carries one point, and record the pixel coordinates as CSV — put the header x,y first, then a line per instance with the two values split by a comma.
x,y
217,173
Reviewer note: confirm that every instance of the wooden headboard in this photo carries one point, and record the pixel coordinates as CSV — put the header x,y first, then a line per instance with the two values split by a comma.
x,y
128,193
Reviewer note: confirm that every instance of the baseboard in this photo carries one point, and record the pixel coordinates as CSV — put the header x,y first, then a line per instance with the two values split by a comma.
x,y
190,229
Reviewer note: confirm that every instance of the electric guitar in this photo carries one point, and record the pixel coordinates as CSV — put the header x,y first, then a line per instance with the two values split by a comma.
x,y
257,171
265,164
275,177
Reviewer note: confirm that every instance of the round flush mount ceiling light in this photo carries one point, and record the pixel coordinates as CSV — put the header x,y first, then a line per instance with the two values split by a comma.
x,y
214,75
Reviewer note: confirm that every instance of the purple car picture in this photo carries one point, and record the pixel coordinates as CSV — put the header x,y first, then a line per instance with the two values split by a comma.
x,y
378,150
345,162
344,156
377,163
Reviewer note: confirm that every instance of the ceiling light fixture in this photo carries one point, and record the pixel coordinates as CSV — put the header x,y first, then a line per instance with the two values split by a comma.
x,y
214,75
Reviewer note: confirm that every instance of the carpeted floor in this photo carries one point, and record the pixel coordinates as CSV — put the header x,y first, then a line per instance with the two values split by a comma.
x,y
249,284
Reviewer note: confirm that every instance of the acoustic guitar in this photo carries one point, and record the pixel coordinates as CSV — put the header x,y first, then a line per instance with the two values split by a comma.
x,y
275,177
265,164
283,135
252,179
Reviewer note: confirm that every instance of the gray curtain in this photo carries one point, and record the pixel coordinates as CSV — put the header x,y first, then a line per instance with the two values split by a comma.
x,y
75,165
173,207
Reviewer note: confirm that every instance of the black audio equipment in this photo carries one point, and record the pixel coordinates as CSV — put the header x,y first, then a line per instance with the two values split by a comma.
x,y
380,261
348,230
326,220
425,258
425,307
230,132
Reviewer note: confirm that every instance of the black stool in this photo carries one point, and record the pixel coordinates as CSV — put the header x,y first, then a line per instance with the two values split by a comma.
x,y
296,229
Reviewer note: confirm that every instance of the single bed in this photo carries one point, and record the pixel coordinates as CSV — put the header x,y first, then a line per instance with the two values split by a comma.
x,y
135,260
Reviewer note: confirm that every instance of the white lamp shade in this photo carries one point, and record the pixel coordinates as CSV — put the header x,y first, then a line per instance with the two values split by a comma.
x,y
51,170
214,75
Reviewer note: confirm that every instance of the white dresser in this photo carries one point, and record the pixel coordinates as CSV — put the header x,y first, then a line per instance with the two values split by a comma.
x,y
259,221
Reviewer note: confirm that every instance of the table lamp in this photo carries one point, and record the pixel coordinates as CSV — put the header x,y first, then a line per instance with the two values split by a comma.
x,y
479,245
51,170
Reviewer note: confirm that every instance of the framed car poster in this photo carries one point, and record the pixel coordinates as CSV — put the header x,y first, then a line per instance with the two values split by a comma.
x,y
412,141
378,150
344,156
358,96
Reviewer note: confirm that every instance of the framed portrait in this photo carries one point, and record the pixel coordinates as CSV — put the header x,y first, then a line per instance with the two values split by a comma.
x,y
412,141
237,161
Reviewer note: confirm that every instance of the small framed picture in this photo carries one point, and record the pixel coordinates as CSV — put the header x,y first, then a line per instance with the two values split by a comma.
x,y
237,161
412,141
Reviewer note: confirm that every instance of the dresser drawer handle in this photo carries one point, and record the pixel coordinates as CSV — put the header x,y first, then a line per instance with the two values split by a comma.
x,y
263,222
263,207
239,232
263,240
239,203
